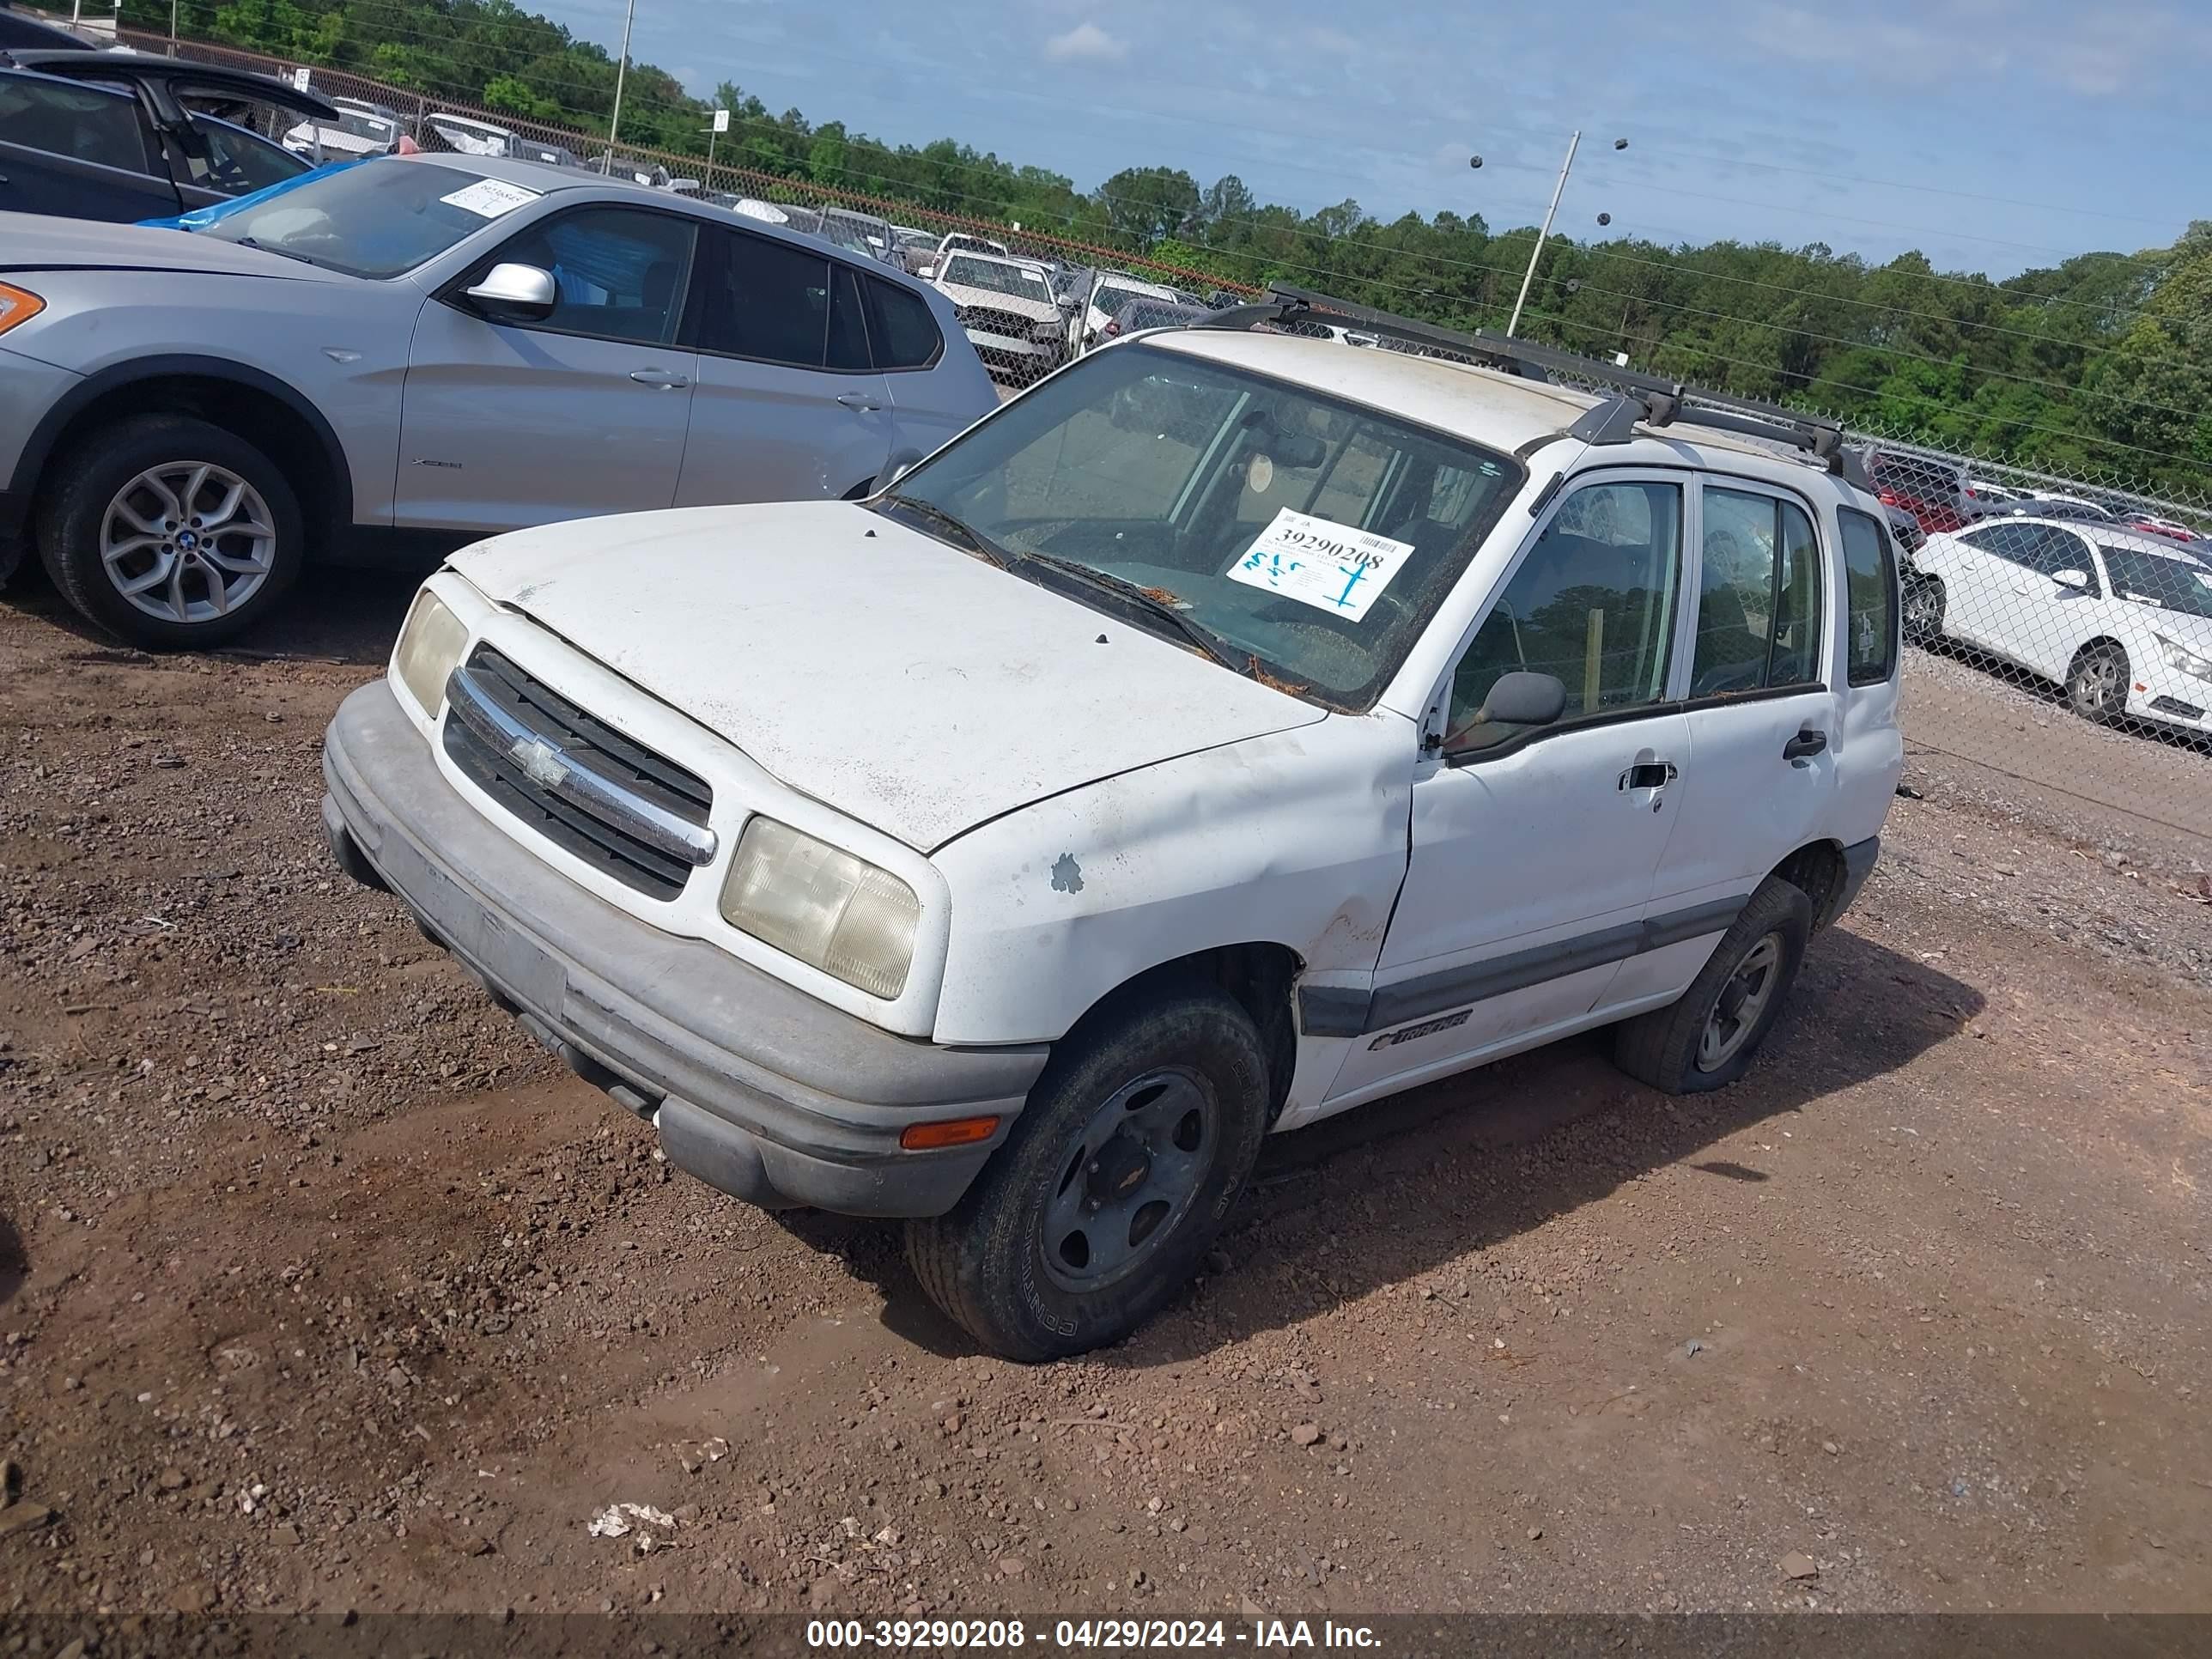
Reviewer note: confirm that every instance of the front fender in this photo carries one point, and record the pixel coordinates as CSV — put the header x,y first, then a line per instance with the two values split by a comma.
x,y
1298,838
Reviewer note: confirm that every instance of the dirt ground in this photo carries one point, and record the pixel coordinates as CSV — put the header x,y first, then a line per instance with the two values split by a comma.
x,y
322,1288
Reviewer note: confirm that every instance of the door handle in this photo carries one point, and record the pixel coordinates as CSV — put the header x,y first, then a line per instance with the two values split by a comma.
x,y
666,379
1649,774
1806,744
860,401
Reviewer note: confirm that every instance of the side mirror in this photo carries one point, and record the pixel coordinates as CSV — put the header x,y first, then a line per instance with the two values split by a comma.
x,y
517,293
926,270
2077,579
892,472
1522,698
1069,304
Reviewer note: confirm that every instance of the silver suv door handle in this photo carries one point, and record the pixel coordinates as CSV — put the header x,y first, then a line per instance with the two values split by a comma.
x,y
858,400
667,380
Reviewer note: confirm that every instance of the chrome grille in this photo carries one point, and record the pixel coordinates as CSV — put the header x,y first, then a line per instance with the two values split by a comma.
x,y
574,778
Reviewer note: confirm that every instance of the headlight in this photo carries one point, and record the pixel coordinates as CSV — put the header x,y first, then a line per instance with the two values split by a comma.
x,y
831,910
2180,658
429,645
17,305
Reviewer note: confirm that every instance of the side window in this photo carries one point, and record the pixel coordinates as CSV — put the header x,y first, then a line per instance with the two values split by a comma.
x,y
83,123
1759,597
620,273
237,161
1592,605
768,301
1869,599
900,328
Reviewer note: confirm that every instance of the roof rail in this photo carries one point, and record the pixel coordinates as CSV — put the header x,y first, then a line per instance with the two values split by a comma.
x,y
1643,399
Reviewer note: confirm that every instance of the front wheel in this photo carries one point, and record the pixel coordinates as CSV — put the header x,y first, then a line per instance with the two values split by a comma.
x,y
2097,683
1924,611
1706,1039
1114,1180
171,532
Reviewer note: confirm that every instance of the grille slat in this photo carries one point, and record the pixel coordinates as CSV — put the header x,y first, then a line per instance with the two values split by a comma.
x,y
637,853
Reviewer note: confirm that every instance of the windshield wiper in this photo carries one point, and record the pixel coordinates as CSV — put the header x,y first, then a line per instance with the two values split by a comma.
x,y
281,252
960,531
1149,600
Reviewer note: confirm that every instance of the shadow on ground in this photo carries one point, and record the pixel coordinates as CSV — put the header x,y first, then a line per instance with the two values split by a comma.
x,y
1394,1189
336,614
14,1264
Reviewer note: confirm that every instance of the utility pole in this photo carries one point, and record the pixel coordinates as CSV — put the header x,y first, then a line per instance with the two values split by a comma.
x,y
622,71
1559,189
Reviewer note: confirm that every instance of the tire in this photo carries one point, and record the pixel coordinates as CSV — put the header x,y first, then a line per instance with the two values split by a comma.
x,y
2097,683
1924,611
1187,1065
102,494
1666,1048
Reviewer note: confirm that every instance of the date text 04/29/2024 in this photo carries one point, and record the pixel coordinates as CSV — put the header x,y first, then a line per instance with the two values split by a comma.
x,y
1011,1635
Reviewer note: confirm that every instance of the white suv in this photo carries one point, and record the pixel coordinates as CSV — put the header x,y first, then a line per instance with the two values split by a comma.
x,y
1233,730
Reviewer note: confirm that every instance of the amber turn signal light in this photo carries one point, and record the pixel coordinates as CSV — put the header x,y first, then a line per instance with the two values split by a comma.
x,y
952,1132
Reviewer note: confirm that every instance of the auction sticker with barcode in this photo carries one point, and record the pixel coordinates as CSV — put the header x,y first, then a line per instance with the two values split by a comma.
x,y
1331,567
488,198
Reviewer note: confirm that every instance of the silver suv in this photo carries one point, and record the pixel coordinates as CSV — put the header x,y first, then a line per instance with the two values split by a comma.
x,y
432,350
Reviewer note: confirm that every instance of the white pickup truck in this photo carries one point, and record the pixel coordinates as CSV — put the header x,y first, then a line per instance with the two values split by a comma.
x,y
1233,730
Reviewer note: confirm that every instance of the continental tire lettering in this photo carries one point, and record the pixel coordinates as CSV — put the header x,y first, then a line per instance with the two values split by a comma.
x,y
1426,1027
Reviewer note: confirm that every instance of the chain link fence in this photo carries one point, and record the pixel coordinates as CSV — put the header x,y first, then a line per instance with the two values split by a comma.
x,y
2060,626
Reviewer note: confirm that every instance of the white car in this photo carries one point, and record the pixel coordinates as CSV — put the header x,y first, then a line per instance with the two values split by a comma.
x,y
361,129
2122,620
1112,291
1009,313
1231,732
466,135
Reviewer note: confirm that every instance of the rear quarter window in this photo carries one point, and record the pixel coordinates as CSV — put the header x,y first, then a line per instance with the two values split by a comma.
x,y
1870,598
900,328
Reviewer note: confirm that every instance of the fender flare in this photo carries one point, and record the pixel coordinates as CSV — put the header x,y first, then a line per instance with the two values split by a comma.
x,y
31,463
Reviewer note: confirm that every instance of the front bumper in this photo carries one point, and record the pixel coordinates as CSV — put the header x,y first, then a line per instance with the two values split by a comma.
x,y
756,1087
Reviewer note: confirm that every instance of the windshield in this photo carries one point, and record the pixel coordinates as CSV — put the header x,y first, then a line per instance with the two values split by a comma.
x,y
1314,536
2170,584
376,220
1018,280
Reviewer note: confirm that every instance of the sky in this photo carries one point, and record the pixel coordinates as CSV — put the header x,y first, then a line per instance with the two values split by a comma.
x,y
1990,135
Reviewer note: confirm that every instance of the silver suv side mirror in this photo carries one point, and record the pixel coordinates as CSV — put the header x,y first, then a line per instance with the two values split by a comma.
x,y
516,291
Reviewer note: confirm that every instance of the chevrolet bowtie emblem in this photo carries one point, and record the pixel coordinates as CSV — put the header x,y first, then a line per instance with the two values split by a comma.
x,y
540,761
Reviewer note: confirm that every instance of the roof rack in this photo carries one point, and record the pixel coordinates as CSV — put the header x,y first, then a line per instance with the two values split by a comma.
x,y
1645,400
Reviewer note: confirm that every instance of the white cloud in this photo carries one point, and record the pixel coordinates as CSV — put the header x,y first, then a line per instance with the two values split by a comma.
x,y
1086,42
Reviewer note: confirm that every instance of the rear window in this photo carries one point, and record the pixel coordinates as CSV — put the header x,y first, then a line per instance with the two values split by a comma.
x,y
1870,599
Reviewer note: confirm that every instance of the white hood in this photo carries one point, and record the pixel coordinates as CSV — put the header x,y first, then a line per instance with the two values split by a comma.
x,y
989,299
899,680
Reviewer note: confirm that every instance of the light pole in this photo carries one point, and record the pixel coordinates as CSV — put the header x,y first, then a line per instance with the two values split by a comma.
x,y
1536,253
622,70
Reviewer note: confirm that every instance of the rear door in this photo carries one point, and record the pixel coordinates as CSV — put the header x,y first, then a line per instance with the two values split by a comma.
x,y
1759,778
937,391
77,152
507,425
787,404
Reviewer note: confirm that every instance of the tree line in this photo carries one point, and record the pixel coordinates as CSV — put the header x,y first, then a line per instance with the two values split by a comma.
x,y
2100,366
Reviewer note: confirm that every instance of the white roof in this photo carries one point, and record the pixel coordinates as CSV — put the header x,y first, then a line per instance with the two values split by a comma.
x,y
1485,405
